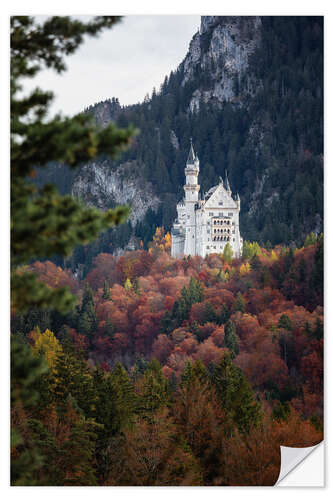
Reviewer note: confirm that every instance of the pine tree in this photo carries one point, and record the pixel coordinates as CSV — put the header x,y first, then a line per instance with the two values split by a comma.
x,y
230,339
106,291
239,304
87,320
224,314
26,456
235,395
154,391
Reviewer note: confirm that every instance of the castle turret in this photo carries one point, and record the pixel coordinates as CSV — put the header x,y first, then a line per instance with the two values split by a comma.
x,y
227,185
238,201
192,187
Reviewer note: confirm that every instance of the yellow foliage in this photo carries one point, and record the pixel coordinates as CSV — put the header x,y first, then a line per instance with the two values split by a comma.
x,y
161,241
48,345
274,257
245,268
128,285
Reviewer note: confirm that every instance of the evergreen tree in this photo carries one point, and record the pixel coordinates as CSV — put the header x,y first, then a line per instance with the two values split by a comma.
x,y
106,291
224,314
230,339
239,303
26,456
87,320
235,395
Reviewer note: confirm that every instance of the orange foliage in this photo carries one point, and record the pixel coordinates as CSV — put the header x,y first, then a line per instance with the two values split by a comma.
x,y
54,276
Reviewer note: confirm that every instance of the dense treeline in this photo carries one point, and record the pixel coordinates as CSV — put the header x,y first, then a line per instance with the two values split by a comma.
x,y
171,372
271,142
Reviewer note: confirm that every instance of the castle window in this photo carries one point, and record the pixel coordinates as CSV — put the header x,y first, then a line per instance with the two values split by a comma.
x,y
211,214
207,247
230,214
220,203
220,214
234,239
233,232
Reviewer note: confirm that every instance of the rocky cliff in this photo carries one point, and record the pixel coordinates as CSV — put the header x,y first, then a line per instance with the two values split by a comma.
x,y
221,51
98,185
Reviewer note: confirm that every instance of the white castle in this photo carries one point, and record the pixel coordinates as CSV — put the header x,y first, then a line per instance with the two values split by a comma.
x,y
205,224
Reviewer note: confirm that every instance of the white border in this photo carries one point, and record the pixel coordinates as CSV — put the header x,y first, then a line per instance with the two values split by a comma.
x,y
61,7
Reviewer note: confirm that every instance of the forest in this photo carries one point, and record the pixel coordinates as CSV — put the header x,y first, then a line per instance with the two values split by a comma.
x,y
171,372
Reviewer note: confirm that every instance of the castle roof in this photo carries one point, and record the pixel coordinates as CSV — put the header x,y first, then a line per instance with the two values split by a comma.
x,y
227,185
218,194
191,156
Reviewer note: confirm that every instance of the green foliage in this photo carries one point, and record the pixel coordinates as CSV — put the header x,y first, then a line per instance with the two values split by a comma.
x,y
281,411
44,223
228,253
209,315
189,295
106,291
250,249
155,390
87,320
25,371
224,314
285,323
239,303
230,339
235,395
310,239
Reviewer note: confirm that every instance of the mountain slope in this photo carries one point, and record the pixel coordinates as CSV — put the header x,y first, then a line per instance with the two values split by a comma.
x,y
250,94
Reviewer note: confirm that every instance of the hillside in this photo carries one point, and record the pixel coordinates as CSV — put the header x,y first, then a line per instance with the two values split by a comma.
x,y
250,94
202,368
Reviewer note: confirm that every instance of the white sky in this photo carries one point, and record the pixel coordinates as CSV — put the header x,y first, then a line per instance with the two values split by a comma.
x,y
125,62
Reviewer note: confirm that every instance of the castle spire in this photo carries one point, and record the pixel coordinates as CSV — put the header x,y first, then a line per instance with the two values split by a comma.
x,y
191,156
227,185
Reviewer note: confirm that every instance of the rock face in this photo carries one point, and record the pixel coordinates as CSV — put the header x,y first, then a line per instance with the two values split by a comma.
x,y
220,53
105,111
98,185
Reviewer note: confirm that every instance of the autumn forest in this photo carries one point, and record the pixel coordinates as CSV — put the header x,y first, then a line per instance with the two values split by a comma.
x,y
172,372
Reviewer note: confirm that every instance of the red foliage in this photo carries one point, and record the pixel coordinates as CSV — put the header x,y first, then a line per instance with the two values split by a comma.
x,y
104,268
54,276
162,348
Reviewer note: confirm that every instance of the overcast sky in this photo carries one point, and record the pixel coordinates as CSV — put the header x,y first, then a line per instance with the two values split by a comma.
x,y
125,62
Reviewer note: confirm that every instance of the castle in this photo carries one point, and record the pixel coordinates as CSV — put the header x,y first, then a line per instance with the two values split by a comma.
x,y
205,224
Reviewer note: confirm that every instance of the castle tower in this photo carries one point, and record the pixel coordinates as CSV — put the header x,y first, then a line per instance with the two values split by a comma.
x,y
191,189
